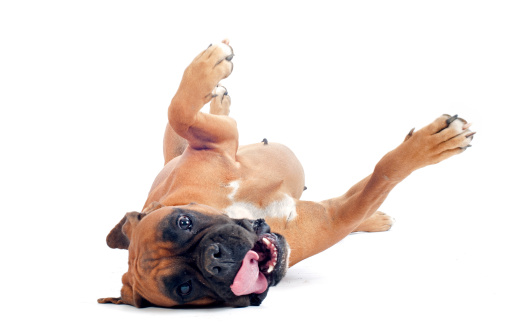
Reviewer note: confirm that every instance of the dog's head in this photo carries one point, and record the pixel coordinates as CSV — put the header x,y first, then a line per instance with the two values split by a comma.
x,y
194,255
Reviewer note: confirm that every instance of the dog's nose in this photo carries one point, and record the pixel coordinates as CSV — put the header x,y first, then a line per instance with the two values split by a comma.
x,y
218,262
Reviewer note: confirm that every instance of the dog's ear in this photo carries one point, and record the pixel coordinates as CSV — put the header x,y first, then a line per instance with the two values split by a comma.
x,y
153,207
128,295
120,235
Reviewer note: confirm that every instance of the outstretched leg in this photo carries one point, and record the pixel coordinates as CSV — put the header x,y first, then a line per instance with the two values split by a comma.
x,y
320,225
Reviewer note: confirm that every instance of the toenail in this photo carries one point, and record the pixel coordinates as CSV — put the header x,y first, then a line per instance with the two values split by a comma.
x,y
453,118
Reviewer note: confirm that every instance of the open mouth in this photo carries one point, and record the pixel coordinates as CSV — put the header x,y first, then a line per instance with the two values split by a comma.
x,y
259,267
267,251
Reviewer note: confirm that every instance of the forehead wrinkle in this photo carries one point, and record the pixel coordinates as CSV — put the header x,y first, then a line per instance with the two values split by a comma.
x,y
151,260
152,264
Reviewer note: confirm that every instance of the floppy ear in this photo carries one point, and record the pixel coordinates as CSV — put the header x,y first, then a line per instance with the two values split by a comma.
x,y
120,236
128,295
153,207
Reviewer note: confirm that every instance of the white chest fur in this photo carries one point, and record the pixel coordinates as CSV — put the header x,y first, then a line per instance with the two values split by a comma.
x,y
284,207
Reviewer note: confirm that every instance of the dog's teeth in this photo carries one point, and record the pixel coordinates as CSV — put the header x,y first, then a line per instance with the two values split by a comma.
x,y
273,252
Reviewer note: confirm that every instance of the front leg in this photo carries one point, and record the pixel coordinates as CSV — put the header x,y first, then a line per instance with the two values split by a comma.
x,y
197,88
174,145
320,225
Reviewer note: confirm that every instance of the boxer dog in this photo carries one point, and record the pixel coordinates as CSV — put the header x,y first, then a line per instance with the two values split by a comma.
x,y
223,222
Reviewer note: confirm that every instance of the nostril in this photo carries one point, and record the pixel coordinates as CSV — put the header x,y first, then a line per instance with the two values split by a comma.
x,y
213,251
218,261
212,258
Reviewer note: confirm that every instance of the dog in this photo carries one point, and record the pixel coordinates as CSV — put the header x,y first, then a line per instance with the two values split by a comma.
x,y
223,222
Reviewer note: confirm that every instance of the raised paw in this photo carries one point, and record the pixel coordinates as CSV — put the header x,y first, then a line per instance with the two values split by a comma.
x,y
451,134
456,134
218,58
220,101
206,71
442,139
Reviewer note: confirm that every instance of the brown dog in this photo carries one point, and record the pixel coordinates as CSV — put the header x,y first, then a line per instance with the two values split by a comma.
x,y
202,237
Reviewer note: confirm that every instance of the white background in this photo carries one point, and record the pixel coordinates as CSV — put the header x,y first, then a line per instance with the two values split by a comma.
x,y
85,88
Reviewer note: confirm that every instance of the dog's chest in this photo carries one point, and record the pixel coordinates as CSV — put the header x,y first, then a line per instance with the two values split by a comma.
x,y
259,203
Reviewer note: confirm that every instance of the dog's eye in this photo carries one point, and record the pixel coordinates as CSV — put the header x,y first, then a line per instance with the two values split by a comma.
x,y
184,223
185,289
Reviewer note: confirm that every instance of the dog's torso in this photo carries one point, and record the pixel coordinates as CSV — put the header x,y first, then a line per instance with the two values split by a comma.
x,y
261,180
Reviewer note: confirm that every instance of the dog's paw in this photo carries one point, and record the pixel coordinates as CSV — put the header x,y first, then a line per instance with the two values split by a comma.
x,y
207,69
218,58
454,133
378,222
450,136
443,138
220,101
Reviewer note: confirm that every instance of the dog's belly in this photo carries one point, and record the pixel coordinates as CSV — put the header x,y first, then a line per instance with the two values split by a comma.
x,y
269,165
271,205
273,179
263,181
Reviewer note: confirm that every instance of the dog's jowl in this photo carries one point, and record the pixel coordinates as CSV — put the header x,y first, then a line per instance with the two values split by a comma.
x,y
223,222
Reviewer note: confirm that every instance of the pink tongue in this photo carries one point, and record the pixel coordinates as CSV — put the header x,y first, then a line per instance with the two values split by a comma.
x,y
249,279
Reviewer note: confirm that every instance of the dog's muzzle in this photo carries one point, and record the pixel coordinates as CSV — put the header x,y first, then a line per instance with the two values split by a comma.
x,y
243,259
